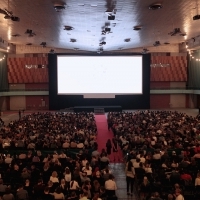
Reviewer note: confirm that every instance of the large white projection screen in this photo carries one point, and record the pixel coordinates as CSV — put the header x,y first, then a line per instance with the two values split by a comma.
x,y
99,76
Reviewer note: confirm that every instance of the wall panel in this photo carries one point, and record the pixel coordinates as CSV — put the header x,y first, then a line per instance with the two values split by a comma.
x,y
159,101
177,101
17,102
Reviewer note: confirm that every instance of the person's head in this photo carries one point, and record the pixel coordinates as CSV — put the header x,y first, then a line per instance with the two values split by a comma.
x,y
73,194
40,181
170,197
62,181
145,180
102,189
54,174
96,196
177,192
84,174
32,167
98,173
24,170
58,190
177,186
7,191
20,186
111,177
46,190
85,194
156,195
67,171
16,167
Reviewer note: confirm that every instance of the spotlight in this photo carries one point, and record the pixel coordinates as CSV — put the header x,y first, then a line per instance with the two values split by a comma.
x,y
196,17
52,51
44,44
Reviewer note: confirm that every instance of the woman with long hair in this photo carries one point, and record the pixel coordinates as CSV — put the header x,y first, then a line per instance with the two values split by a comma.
x,y
130,177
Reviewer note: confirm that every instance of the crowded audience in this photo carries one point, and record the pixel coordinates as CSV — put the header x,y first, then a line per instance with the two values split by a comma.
x,y
162,150
36,163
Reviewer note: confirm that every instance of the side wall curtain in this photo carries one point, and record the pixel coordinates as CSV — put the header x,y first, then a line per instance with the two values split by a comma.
x,y
194,70
3,72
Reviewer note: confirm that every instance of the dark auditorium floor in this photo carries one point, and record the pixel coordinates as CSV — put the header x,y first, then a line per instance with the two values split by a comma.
x,y
117,168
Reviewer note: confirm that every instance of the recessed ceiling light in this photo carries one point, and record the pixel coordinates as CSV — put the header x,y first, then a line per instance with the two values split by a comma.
x,y
72,40
137,28
155,6
16,35
59,7
127,40
68,28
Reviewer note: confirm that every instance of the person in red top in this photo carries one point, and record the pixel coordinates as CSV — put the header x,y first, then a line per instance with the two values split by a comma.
x,y
186,176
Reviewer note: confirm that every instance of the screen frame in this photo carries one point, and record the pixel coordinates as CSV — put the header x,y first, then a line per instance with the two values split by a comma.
x,y
104,94
58,102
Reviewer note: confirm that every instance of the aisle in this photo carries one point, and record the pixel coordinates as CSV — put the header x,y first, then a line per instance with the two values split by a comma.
x,y
103,135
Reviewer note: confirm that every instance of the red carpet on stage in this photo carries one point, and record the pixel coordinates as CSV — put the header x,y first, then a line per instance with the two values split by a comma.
x,y
103,135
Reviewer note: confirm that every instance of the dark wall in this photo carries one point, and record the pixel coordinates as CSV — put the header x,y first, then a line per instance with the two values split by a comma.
x,y
57,102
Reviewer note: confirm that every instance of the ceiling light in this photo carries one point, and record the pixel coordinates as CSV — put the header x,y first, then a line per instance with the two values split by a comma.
x,y
7,17
155,6
127,40
111,17
144,51
52,51
102,43
72,40
137,28
100,50
44,44
107,29
15,19
156,43
15,35
59,7
68,28
30,33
